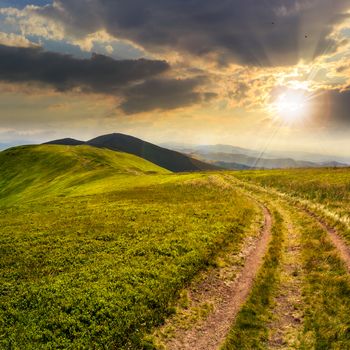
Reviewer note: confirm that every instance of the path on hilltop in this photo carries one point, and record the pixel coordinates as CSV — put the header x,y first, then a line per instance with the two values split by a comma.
x,y
286,321
212,332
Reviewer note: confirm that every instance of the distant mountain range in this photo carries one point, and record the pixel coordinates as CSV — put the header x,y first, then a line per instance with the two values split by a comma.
x,y
237,158
168,159
187,158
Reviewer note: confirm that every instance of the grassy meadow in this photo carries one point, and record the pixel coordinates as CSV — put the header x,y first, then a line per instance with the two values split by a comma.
x,y
97,246
327,187
324,191
317,316
93,256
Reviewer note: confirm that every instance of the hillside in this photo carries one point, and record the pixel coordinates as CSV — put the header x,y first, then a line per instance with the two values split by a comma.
x,y
27,171
102,249
165,158
97,245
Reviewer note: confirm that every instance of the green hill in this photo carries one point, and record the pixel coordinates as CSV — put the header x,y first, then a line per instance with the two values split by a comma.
x,y
32,171
99,248
96,245
165,158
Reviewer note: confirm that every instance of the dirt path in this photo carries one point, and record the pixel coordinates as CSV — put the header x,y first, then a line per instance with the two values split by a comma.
x,y
211,332
287,322
343,248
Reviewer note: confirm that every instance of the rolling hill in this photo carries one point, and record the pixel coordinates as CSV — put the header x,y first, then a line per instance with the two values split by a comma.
x,y
105,250
96,245
165,158
31,171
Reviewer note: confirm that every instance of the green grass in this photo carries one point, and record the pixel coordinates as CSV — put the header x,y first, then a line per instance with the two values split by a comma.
x,y
32,172
326,291
94,259
324,191
96,246
330,187
250,330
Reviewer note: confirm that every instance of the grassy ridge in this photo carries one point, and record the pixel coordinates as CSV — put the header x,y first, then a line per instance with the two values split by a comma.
x,y
250,329
30,172
99,270
95,246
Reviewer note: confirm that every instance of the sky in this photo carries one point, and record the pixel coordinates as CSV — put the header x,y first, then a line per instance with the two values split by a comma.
x,y
267,74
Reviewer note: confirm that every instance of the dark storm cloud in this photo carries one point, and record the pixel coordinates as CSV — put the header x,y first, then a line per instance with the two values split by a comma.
x,y
132,80
98,74
164,94
253,32
334,109
327,108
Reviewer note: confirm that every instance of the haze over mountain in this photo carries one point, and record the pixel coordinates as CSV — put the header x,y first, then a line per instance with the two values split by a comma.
x,y
238,158
168,159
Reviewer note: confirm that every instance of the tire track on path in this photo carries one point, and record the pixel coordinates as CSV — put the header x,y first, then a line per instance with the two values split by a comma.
x,y
337,240
339,243
211,333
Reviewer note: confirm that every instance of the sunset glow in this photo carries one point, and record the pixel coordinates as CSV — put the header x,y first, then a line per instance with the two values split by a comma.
x,y
179,71
291,106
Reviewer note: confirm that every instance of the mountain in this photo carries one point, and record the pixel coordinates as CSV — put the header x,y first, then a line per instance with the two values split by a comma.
x,y
29,171
333,164
165,158
270,154
233,166
206,149
230,161
241,161
238,158
309,157
204,157
67,142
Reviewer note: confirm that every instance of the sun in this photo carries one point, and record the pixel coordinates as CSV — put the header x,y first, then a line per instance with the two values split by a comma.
x,y
291,105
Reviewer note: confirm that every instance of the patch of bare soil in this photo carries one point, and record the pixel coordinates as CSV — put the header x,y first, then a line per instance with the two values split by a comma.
x,y
220,299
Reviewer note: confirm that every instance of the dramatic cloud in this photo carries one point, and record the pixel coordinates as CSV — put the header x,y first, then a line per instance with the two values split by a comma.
x,y
214,67
164,94
334,107
250,32
10,39
99,74
325,109
131,80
